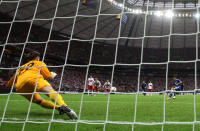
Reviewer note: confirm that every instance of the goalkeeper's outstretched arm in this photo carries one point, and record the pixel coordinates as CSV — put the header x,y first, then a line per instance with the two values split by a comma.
x,y
46,73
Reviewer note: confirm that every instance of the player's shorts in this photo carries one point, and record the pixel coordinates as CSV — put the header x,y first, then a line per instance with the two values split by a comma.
x,y
96,88
107,90
90,87
149,90
29,87
144,89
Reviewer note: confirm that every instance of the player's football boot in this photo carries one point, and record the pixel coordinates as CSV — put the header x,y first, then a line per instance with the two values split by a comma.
x,y
68,111
72,114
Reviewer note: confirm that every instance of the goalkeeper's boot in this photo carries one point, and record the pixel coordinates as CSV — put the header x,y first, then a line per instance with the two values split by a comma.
x,y
68,111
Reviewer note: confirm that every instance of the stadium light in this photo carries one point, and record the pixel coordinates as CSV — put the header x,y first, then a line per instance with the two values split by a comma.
x,y
138,11
166,13
159,13
120,5
151,13
169,13
197,15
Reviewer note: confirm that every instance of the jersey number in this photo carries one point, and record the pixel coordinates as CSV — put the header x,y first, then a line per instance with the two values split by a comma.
x,y
22,69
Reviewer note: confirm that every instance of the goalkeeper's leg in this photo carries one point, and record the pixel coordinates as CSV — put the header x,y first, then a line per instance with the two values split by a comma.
x,y
42,102
56,97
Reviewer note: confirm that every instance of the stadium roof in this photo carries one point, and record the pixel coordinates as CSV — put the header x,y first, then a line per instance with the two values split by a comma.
x,y
132,24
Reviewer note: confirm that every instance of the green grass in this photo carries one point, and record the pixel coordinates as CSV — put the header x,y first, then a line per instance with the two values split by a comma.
x,y
94,109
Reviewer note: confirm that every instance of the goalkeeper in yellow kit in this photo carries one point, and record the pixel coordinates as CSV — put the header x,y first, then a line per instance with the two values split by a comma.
x,y
30,78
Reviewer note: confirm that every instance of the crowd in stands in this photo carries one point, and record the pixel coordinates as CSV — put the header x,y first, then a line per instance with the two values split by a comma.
x,y
74,80
102,53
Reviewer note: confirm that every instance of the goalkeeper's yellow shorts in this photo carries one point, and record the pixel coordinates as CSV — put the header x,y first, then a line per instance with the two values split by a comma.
x,y
29,87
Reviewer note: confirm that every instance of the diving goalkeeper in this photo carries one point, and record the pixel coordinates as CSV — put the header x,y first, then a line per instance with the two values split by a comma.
x,y
32,75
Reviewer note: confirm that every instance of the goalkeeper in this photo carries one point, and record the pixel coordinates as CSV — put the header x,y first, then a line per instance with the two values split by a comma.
x,y
32,75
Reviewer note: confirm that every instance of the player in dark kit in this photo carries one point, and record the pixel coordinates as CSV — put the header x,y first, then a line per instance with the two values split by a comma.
x,y
178,86
144,87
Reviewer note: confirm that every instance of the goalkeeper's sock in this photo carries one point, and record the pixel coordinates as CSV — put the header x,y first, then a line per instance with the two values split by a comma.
x,y
53,95
48,104
170,95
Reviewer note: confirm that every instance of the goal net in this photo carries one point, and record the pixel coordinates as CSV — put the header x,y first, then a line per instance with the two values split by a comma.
x,y
125,42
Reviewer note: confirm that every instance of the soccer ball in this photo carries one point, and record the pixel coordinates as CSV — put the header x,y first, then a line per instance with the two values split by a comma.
x,y
113,89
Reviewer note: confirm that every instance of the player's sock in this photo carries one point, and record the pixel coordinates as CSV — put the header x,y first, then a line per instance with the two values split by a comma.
x,y
53,95
48,104
170,95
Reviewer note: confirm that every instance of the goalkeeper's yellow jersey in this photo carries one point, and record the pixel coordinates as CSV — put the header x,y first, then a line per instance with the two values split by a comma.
x,y
30,72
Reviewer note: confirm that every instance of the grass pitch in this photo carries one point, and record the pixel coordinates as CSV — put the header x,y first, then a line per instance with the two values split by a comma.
x,y
94,110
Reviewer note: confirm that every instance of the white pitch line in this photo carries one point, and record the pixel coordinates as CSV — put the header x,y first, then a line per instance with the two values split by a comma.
x,y
123,102
94,121
17,100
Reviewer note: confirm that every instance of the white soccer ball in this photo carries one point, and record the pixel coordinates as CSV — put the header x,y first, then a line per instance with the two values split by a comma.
x,y
113,89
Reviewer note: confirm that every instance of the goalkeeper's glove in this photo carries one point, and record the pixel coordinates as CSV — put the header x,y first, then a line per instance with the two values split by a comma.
x,y
53,75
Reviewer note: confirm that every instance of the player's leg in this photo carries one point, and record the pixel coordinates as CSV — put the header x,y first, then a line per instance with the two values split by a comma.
x,y
44,86
145,90
41,101
89,90
170,95
182,90
29,87
150,90
178,88
56,97
106,91
53,95
92,90
174,95
95,90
